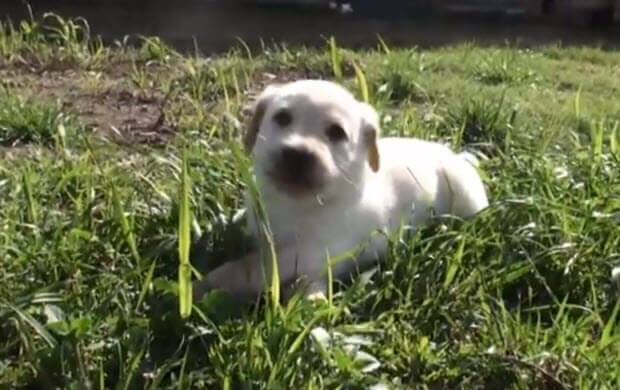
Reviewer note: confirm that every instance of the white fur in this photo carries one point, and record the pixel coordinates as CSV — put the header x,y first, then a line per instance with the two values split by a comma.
x,y
414,176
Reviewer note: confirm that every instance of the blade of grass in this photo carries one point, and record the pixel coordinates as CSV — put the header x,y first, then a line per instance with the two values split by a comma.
x,y
454,264
597,130
125,226
36,325
304,333
613,138
125,384
30,202
261,216
383,45
360,80
607,336
182,375
145,284
185,283
577,102
330,279
335,58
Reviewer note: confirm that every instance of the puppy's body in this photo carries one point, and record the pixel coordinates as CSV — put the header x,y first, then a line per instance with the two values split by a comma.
x,y
355,185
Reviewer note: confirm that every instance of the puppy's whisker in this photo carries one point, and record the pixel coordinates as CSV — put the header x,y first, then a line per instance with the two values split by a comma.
x,y
415,178
348,179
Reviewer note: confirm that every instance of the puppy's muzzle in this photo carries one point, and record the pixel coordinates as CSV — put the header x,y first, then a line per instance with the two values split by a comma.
x,y
297,160
296,169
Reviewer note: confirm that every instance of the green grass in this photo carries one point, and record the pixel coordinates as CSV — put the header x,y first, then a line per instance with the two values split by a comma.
x,y
520,297
24,121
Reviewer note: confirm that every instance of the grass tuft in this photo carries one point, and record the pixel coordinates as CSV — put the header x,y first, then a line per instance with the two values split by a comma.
x,y
25,121
484,124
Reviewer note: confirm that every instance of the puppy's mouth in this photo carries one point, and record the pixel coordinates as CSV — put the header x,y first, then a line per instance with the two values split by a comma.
x,y
294,184
296,172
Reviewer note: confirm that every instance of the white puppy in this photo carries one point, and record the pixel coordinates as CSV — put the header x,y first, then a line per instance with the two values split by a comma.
x,y
327,182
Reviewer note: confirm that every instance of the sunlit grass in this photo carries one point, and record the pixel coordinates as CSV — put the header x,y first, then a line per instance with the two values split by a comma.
x,y
99,240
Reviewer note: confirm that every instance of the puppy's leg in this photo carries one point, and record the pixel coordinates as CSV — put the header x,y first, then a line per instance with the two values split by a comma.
x,y
247,275
243,276
466,189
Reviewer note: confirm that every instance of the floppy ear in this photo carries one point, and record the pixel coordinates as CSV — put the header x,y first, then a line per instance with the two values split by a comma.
x,y
260,106
370,133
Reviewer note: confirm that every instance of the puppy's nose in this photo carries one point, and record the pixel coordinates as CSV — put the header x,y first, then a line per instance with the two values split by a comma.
x,y
297,159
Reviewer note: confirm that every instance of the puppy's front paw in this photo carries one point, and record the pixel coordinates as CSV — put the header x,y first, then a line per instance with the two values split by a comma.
x,y
317,296
307,289
316,291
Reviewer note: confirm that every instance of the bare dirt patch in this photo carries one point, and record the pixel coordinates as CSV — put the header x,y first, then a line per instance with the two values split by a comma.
x,y
103,101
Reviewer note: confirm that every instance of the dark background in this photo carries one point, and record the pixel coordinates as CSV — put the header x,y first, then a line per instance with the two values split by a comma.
x,y
215,25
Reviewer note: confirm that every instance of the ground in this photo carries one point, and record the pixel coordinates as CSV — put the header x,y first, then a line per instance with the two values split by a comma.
x,y
111,157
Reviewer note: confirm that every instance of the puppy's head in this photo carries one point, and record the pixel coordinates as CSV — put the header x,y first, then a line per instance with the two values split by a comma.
x,y
312,138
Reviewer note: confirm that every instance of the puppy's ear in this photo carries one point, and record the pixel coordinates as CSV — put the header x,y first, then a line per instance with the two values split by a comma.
x,y
370,134
258,111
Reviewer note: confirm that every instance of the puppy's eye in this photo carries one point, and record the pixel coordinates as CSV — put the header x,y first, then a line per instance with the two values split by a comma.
x,y
283,118
335,133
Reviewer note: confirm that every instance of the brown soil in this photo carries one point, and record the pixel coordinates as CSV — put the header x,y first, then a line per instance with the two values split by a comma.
x,y
102,100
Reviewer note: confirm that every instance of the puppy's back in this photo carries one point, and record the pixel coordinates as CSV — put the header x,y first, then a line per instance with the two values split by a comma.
x,y
467,189
449,181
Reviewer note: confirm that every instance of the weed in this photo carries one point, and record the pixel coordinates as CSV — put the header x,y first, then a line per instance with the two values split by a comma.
x,y
501,67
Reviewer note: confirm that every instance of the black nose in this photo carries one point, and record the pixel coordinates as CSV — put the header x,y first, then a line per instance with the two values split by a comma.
x,y
297,160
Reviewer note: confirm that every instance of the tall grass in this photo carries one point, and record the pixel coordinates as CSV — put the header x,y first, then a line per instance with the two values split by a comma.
x,y
185,218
